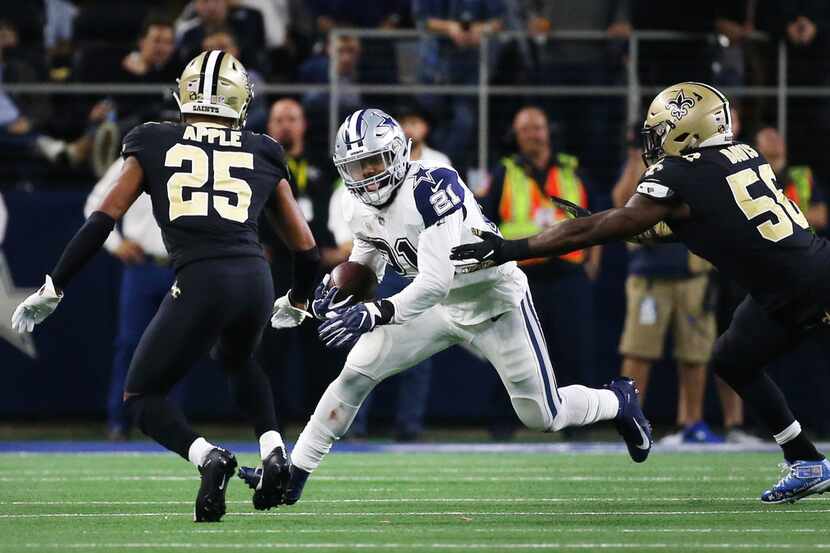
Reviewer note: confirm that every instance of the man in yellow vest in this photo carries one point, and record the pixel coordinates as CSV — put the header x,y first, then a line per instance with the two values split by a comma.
x,y
796,180
517,200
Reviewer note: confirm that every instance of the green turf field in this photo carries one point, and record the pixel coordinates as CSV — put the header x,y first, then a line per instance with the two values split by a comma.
x,y
414,502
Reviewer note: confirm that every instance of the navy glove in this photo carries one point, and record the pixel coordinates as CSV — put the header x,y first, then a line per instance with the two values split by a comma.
x,y
323,305
348,324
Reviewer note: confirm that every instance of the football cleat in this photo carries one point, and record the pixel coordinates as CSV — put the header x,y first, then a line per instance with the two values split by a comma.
x,y
296,482
216,473
269,481
251,476
799,480
631,422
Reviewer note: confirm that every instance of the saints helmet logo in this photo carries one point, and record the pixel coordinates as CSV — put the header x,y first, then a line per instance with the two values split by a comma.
x,y
680,105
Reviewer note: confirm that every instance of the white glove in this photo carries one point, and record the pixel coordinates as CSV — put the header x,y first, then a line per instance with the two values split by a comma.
x,y
286,315
36,307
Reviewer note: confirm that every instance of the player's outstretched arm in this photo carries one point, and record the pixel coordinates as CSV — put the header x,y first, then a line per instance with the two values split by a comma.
x,y
292,228
86,243
638,216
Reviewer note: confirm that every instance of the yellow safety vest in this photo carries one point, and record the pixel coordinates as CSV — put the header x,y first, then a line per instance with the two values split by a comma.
x,y
525,208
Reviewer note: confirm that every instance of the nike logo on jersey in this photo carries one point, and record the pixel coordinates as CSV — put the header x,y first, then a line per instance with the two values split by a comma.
x,y
437,186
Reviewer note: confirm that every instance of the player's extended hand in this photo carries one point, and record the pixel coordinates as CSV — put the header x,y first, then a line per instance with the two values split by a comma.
x,y
348,324
36,307
324,305
575,211
485,253
287,315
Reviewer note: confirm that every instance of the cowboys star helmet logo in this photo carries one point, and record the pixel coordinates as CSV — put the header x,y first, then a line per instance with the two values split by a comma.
x,y
679,106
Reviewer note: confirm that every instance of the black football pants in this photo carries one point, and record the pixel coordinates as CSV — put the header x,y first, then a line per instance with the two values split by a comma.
x,y
751,342
223,304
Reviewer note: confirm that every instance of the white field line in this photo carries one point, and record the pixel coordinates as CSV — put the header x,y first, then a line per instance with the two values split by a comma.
x,y
284,513
413,500
402,478
433,546
500,530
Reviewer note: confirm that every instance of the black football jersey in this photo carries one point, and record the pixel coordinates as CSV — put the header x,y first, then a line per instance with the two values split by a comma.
x,y
208,186
744,225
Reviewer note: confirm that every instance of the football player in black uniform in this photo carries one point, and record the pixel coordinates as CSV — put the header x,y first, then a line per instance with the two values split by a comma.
x,y
721,199
209,180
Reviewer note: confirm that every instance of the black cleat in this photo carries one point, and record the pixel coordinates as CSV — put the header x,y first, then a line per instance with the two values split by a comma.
x,y
216,473
631,422
296,482
268,482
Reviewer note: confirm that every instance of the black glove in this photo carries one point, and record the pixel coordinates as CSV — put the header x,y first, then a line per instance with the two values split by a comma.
x,y
487,253
571,208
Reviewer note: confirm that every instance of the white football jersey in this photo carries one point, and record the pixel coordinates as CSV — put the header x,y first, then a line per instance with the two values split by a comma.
x,y
391,236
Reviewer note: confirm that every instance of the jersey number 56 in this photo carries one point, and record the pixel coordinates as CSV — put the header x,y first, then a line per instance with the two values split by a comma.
x,y
197,177
786,212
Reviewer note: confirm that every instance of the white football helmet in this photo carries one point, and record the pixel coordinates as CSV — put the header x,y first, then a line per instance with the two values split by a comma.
x,y
371,153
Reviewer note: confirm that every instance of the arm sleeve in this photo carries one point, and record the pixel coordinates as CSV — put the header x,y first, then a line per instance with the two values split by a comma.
x,y
435,270
99,192
366,254
82,247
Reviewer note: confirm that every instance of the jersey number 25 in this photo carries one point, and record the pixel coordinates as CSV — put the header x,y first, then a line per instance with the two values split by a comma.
x,y
197,177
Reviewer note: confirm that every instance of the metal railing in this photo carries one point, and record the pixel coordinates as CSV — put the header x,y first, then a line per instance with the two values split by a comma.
x,y
632,90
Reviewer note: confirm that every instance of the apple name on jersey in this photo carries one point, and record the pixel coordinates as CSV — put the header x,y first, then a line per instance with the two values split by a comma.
x,y
430,192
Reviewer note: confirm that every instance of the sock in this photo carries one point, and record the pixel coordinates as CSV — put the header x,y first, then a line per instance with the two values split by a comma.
x,y
163,421
251,390
198,450
765,397
582,406
331,419
795,444
268,442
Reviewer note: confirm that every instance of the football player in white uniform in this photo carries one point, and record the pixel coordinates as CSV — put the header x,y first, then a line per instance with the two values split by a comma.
x,y
409,215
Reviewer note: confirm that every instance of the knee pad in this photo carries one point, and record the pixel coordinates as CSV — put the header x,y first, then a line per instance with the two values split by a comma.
x,y
532,415
352,387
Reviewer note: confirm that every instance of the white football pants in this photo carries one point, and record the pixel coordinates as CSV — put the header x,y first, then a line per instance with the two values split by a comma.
x,y
513,342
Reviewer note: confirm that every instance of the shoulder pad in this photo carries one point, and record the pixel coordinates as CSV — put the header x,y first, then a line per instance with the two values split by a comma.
x,y
438,192
655,190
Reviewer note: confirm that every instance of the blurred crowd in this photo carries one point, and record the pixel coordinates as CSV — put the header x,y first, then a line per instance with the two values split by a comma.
x,y
578,146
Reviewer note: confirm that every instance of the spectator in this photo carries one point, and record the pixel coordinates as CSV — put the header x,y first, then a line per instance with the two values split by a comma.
x,y
57,37
379,62
285,39
247,25
416,126
795,180
312,184
734,24
451,56
671,289
222,38
152,62
145,281
346,52
517,201
591,122
20,141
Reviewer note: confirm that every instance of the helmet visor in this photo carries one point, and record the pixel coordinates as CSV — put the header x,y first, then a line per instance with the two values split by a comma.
x,y
653,140
366,167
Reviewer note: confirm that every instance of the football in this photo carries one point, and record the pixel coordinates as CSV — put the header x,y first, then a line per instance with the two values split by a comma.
x,y
354,279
